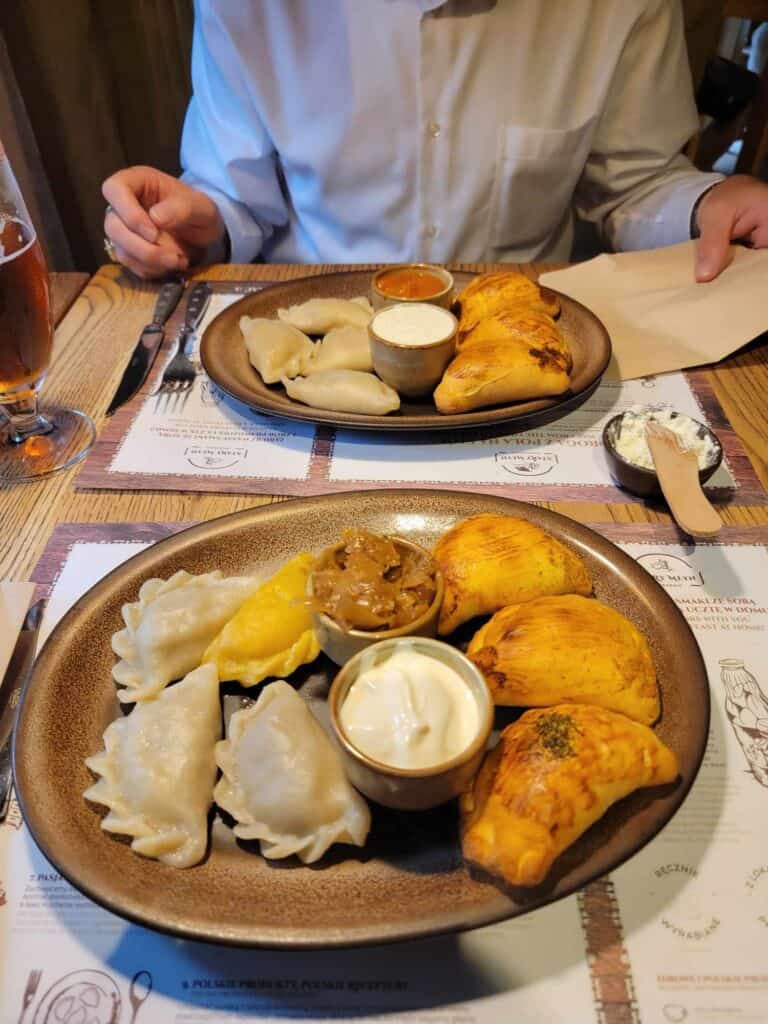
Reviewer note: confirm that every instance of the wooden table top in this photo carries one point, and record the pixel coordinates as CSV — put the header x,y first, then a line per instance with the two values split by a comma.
x,y
92,344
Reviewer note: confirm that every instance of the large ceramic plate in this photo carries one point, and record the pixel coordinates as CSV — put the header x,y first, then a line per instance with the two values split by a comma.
x,y
225,360
409,880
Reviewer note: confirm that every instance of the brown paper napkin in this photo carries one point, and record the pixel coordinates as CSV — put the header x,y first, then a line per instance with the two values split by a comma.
x,y
658,317
14,602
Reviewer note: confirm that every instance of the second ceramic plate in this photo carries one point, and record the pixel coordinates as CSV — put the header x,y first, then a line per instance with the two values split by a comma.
x,y
225,360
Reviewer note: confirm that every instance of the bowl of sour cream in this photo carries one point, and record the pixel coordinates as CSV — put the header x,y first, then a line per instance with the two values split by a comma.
x,y
411,345
412,717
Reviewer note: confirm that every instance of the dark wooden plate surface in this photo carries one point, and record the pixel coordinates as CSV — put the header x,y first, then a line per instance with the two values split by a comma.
x,y
409,880
225,359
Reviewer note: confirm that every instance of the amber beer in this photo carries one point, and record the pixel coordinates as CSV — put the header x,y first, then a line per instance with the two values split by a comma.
x,y
25,308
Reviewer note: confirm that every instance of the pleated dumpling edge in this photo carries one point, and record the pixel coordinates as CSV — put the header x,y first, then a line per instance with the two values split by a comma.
x,y
283,781
157,770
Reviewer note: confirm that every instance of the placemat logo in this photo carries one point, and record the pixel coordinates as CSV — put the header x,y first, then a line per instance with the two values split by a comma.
x,y
671,570
214,456
527,463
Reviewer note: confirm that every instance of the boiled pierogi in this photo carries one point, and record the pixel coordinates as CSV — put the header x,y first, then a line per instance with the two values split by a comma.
x,y
344,391
158,769
275,349
343,348
318,316
170,626
283,781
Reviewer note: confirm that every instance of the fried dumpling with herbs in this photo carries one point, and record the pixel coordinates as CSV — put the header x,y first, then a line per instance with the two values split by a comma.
x,y
500,290
271,634
553,774
490,561
567,648
513,369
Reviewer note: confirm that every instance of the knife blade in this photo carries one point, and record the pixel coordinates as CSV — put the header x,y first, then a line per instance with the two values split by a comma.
x,y
148,345
10,691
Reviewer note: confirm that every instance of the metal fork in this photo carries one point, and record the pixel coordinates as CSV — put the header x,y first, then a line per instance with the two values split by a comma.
x,y
180,373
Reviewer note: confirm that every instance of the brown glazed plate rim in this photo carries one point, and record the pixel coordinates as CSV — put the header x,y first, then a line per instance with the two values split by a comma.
x,y
222,354
409,882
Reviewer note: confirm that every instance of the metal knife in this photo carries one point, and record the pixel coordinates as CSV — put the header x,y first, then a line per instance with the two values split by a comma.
x,y
199,298
10,691
149,343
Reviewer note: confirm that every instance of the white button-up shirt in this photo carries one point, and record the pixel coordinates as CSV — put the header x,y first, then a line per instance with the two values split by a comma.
x,y
390,130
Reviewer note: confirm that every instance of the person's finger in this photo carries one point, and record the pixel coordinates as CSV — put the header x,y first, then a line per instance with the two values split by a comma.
x,y
173,212
190,215
158,259
759,237
745,224
121,191
137,268
713,247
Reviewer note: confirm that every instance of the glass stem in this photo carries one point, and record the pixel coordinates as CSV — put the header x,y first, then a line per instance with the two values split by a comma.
x,y
24,420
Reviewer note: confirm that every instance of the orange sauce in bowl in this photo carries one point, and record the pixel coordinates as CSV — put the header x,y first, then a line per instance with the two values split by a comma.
x,y
410,283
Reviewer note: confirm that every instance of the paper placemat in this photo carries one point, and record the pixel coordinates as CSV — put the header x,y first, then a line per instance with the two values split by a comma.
x,y
636,946
209,442
694,902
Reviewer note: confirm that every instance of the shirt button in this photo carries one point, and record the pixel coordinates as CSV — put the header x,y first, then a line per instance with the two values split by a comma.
x,y
431,231
434,129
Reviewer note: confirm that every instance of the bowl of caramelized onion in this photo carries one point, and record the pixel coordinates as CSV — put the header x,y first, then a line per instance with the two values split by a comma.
x,y
370,587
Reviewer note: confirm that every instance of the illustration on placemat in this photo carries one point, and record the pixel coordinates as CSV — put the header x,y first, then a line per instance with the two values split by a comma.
x,y
33,982
747,709
141,986
83,997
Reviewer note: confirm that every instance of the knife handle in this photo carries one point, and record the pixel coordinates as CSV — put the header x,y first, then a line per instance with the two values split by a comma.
x,y
167,300
199,297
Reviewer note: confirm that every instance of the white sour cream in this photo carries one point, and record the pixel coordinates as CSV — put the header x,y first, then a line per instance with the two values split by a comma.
x,y
413,324
411,711
632,443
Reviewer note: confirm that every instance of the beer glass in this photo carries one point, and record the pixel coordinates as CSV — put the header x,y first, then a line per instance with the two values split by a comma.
x,y
33,442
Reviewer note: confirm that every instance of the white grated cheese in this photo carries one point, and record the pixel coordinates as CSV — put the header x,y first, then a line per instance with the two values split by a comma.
x,y
631,443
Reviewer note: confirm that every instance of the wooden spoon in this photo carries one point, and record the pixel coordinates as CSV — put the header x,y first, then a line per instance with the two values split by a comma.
x,y
678,473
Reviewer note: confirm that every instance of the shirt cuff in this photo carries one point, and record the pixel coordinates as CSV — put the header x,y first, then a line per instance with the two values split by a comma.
x,y
694,225
245,235
663,216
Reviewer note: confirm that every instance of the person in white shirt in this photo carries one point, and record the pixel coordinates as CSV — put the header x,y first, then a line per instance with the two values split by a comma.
x,y
331,131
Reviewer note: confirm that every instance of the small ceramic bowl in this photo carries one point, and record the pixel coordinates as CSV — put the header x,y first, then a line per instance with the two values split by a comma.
x,y
412,370
639,480
412,789
442,297
342,644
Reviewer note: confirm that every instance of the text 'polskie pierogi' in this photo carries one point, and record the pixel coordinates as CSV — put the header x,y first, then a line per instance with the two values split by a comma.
x,y
584,669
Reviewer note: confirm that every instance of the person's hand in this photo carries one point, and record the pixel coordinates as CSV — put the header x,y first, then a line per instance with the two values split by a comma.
x,y
156,223
736,208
